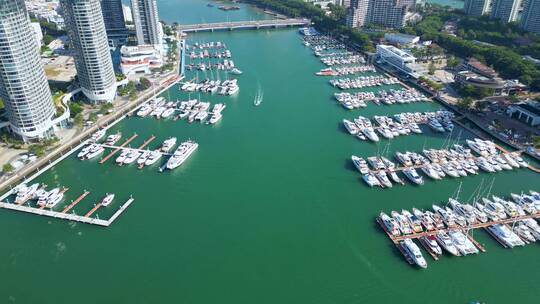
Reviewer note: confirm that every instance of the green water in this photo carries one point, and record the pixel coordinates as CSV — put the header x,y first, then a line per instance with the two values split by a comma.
x,y
268,209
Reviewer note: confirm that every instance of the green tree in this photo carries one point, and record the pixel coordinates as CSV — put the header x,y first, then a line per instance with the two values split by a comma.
x,y
37,150
431,68
104,108
465,103
7,168
452,62
145,83
75,108
78,120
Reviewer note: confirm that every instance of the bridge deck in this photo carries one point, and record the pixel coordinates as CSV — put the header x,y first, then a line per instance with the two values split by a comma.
x,y
243,25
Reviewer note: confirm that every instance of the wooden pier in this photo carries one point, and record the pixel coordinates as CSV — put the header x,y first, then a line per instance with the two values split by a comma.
x,y
106,158
146,142
75,202
96,207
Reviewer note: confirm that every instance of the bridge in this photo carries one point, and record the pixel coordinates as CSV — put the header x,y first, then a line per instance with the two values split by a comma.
x,y
238,25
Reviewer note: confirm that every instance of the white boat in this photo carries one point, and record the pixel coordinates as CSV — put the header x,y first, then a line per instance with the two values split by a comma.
x,y
383,178
181,154
120,159
403,222
167,113
132,157
533,227
143,158
95,151
98,135
113,138
350,126
107,200
360,164
505,235
524,232
52,201
390,224
446,242
413,176
84,151
412,250
26,193
153,158
463,244
168,144
431,242
371,180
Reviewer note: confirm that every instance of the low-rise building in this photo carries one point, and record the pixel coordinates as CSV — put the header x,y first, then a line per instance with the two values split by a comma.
x,y
478,67
499,86
401,39
139,59
527,112
400,59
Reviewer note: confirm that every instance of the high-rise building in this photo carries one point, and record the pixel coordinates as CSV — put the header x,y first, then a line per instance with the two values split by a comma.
x,y
386,13
113,16
389,13
147,25
530,18
23,85
357,13
86,31
477,7
506,10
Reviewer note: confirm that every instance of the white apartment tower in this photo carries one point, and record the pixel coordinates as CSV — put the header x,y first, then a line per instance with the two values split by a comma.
x,y
23,85
86,31
530,18
147,25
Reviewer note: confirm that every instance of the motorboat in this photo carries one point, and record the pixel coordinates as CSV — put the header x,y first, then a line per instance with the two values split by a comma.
x,y
462,242
413,176
426,220
412,250
181,154
446,242
414,221
390,224
371,180
505,235
153,158
431,242
107,200
168,144
360,164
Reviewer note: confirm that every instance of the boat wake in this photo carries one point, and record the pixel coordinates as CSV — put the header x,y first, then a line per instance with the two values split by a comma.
x,y
258,97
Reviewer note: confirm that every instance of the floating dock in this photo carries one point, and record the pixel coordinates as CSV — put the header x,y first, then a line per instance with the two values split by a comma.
x,y
75,202
70,216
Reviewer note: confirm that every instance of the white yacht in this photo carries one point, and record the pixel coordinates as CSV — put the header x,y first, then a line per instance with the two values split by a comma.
x,y
94,151
131,157
113,138
98,135
371,180
181,154
505,235
360,164
52,201
390,224
350,126
168,144
143,158
167,113
524,232
107,200
463,244
153,158
84,151
431,242
403,222
533,227
412,250
413,176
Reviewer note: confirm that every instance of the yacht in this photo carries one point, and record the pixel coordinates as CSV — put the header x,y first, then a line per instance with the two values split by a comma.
x,y
360,164
26,193
371,180
533,227
426,220
383,178
412,250
395,177
112,139
167,113
437,219
415,222
215,118
464,210
462,242
526,202
132,157
505,235
404,225
168,144
370,134
84,151
510,208
430,171
52,201
350,126
435,125
446,242
120,159
143,158
153,158
496,208
181,154
107,200
447,217
492,215
431,242
390,224
524,232
98,135
94,151
42,200
144,110
412,175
